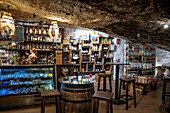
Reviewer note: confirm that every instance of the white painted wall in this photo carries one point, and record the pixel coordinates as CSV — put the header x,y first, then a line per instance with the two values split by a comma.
x,y
119,52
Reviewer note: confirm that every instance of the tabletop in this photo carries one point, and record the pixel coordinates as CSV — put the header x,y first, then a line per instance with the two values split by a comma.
x,y
78,80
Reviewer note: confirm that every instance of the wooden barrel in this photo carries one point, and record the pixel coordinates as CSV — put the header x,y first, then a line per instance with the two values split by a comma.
x,y
76,98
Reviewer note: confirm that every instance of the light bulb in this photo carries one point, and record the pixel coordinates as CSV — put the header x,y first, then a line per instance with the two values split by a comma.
x,y
165,26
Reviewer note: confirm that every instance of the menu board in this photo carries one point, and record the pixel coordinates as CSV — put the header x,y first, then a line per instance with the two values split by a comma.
x,y
19,34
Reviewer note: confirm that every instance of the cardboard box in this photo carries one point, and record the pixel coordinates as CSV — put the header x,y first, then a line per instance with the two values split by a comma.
x,y
66,41
59,57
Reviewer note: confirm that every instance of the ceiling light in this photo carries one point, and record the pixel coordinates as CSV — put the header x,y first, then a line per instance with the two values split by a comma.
x,y
165,26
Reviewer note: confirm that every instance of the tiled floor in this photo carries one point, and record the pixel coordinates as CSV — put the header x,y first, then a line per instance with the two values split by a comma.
x,y
150,103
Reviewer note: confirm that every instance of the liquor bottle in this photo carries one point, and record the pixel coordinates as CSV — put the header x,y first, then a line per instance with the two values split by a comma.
x,y
39,31
37,46
47,31
27,30
30,46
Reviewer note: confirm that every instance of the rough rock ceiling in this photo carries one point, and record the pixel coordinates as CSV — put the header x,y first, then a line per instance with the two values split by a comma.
x,y
136,20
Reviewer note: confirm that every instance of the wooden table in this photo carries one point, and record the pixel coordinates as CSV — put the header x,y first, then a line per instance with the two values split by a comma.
x,y
117,81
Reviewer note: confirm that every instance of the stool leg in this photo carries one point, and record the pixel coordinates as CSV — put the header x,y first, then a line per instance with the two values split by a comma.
x,y
104,83
164,90
119,93
97,106
134,94
99,84
169,105
111,109
43,105
107,106
58,107
110,83
92,109
127,96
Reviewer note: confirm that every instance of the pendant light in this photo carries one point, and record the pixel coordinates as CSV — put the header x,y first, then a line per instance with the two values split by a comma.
x,y
7,26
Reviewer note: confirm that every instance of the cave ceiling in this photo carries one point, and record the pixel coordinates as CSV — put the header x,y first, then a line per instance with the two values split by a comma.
x,y
135,20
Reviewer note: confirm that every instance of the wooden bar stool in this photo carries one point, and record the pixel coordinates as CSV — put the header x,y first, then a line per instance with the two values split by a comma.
x,y
104,83
50,94
165,93
127,81
105,96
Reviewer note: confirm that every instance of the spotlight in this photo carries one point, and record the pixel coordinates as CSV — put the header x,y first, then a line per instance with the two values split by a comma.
x,y
165,26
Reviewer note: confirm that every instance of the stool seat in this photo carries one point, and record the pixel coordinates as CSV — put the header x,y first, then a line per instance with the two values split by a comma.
x,y
45,94
102,95
50,93
127,79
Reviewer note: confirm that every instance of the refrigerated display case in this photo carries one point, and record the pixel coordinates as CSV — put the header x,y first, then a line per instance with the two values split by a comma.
x,y
23,83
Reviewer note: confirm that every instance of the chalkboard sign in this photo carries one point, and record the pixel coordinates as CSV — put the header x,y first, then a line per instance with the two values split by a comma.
x,y
19,34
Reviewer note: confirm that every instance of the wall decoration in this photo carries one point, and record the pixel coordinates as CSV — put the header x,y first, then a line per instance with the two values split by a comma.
x,y
54,30
7,26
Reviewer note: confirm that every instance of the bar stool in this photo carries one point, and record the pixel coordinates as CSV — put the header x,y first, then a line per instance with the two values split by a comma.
x,y
105,96
50,94
164,93
104,83
127,81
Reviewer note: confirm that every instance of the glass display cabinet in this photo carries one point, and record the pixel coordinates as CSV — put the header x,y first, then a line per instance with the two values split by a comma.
x,y
25,81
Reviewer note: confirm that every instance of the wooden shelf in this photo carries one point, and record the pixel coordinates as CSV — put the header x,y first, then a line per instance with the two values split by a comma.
x,y
66,51
98,64
85,54
5,38
86,47
96,43
36,34
83,62
96,50
10,49
37,41
75,50
37,50
139,68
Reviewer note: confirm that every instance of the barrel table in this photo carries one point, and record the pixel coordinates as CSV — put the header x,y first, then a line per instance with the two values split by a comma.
x,y
76,94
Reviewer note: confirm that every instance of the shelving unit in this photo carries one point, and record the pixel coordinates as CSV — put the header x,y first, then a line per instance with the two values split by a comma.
x,y
141,58
87,56
36,36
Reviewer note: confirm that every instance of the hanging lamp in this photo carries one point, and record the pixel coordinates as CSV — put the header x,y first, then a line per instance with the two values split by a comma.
x,y
7,26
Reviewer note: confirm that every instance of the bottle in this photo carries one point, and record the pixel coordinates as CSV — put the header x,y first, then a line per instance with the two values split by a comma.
x,y
30,46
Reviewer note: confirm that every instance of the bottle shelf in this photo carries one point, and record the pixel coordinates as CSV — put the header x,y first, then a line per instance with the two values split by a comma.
x,y
37,41
37,50
10,49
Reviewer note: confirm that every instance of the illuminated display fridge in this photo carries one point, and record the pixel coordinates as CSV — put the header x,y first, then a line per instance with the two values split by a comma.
x,y
24,84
